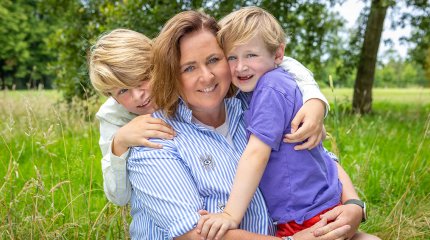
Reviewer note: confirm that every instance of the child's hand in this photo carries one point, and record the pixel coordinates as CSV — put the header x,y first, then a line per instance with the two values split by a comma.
x,y
138,131
215,225
311,118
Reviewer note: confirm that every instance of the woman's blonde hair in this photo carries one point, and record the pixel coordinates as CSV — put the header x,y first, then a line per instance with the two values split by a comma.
x,y
165,77
119,59
240,26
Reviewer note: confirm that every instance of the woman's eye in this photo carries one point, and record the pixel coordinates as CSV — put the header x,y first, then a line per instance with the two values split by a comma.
x,y
231,58
250,55
189,69
213,60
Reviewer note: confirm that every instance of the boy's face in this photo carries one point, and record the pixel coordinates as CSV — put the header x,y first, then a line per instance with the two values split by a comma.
x,y
135,100
248,62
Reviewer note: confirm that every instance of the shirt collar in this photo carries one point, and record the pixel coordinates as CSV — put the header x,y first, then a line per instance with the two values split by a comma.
x,y
233,108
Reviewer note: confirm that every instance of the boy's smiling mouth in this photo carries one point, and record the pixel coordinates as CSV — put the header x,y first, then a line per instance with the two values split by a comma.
x,y
244,78
145,103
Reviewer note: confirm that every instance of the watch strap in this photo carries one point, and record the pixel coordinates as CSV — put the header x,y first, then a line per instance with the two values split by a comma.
x,y
354,201
359,203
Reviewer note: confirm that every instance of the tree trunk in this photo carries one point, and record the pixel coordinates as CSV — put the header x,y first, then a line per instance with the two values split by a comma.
x,y
362,100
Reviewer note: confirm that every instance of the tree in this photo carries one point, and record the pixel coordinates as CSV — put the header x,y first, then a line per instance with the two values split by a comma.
x,y
23,55
79,23
419,20
362,98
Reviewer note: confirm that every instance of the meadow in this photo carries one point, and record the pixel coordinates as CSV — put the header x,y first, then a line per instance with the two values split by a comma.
x,y
51,183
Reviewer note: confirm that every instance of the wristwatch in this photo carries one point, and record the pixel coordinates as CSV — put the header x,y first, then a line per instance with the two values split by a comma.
x,y
359,203
288,238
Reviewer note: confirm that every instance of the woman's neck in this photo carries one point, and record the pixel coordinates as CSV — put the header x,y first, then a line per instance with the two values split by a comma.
x,y
213,118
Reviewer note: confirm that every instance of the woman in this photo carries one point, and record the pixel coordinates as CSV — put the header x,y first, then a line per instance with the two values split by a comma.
x,y
191,81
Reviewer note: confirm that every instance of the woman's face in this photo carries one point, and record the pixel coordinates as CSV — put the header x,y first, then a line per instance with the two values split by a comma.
x,y
204,71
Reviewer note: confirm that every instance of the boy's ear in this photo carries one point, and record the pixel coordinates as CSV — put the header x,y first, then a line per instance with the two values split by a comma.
x,y
279,54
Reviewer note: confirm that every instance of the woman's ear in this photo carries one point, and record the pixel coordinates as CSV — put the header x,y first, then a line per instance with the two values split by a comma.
x,y
279,54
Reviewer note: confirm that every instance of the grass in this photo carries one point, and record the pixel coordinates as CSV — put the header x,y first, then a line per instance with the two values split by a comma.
x,y
51,181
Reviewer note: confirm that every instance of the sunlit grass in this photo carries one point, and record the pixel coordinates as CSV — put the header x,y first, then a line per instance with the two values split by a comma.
x,y
51,184
51,180
391,95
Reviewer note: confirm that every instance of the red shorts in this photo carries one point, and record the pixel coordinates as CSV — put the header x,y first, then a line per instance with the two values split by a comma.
x,y
290,228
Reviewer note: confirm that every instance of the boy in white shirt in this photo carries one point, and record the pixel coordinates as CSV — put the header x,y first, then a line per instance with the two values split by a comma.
x,y
119,67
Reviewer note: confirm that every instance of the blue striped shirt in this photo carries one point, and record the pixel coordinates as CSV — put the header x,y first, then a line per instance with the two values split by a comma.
x,y
193,171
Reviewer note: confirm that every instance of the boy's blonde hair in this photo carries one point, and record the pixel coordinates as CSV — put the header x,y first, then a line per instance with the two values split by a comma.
x,y
240,26
119,59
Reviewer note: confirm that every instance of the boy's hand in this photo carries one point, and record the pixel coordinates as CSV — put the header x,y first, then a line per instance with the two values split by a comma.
x,y
307,124
215,225
138,131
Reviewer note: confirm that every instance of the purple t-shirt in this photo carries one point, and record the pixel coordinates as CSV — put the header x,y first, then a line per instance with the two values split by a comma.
x,y
297,185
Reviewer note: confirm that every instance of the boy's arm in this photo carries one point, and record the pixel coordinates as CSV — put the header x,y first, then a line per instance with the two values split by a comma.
x,y
305,80
116,185
314,109
115,141
249,172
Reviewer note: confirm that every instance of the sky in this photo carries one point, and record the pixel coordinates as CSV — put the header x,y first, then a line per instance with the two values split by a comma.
x,y
351,9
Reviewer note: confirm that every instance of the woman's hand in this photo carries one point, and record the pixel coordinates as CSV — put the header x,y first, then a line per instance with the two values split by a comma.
x,y
343,215
138,131
308,124
338,233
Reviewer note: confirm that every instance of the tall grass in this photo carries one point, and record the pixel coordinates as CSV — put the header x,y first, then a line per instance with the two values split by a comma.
x,y
387,155
51,185
51,181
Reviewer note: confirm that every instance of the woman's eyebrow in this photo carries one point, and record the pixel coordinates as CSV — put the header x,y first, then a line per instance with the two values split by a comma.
x,y
187,63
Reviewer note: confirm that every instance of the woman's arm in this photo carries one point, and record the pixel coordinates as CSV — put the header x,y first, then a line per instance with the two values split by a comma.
x,y
164,188
115,181
349,214
307,234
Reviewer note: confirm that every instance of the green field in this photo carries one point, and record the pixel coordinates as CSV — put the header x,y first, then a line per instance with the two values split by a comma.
x,y
51,181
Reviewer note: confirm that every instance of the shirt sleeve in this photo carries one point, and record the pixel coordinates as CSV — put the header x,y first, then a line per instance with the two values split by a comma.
x,y
271,113
305,80
164,185
115,181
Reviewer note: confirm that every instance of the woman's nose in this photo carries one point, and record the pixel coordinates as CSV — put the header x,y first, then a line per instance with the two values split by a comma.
x,y
207,74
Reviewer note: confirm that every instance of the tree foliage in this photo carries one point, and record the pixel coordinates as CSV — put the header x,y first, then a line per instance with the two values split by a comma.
x,y
310,25
24,59
48,41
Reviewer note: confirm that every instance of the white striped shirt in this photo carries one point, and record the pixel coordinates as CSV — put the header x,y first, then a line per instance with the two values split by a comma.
x,y
193,171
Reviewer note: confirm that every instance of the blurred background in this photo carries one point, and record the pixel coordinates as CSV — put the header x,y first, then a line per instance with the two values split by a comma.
x,y
45,42
376,52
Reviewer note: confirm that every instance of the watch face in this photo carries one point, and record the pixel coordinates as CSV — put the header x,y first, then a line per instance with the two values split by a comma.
x,y
364,213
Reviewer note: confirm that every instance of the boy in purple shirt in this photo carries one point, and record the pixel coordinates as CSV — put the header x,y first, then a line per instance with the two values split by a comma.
x,y
297,186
